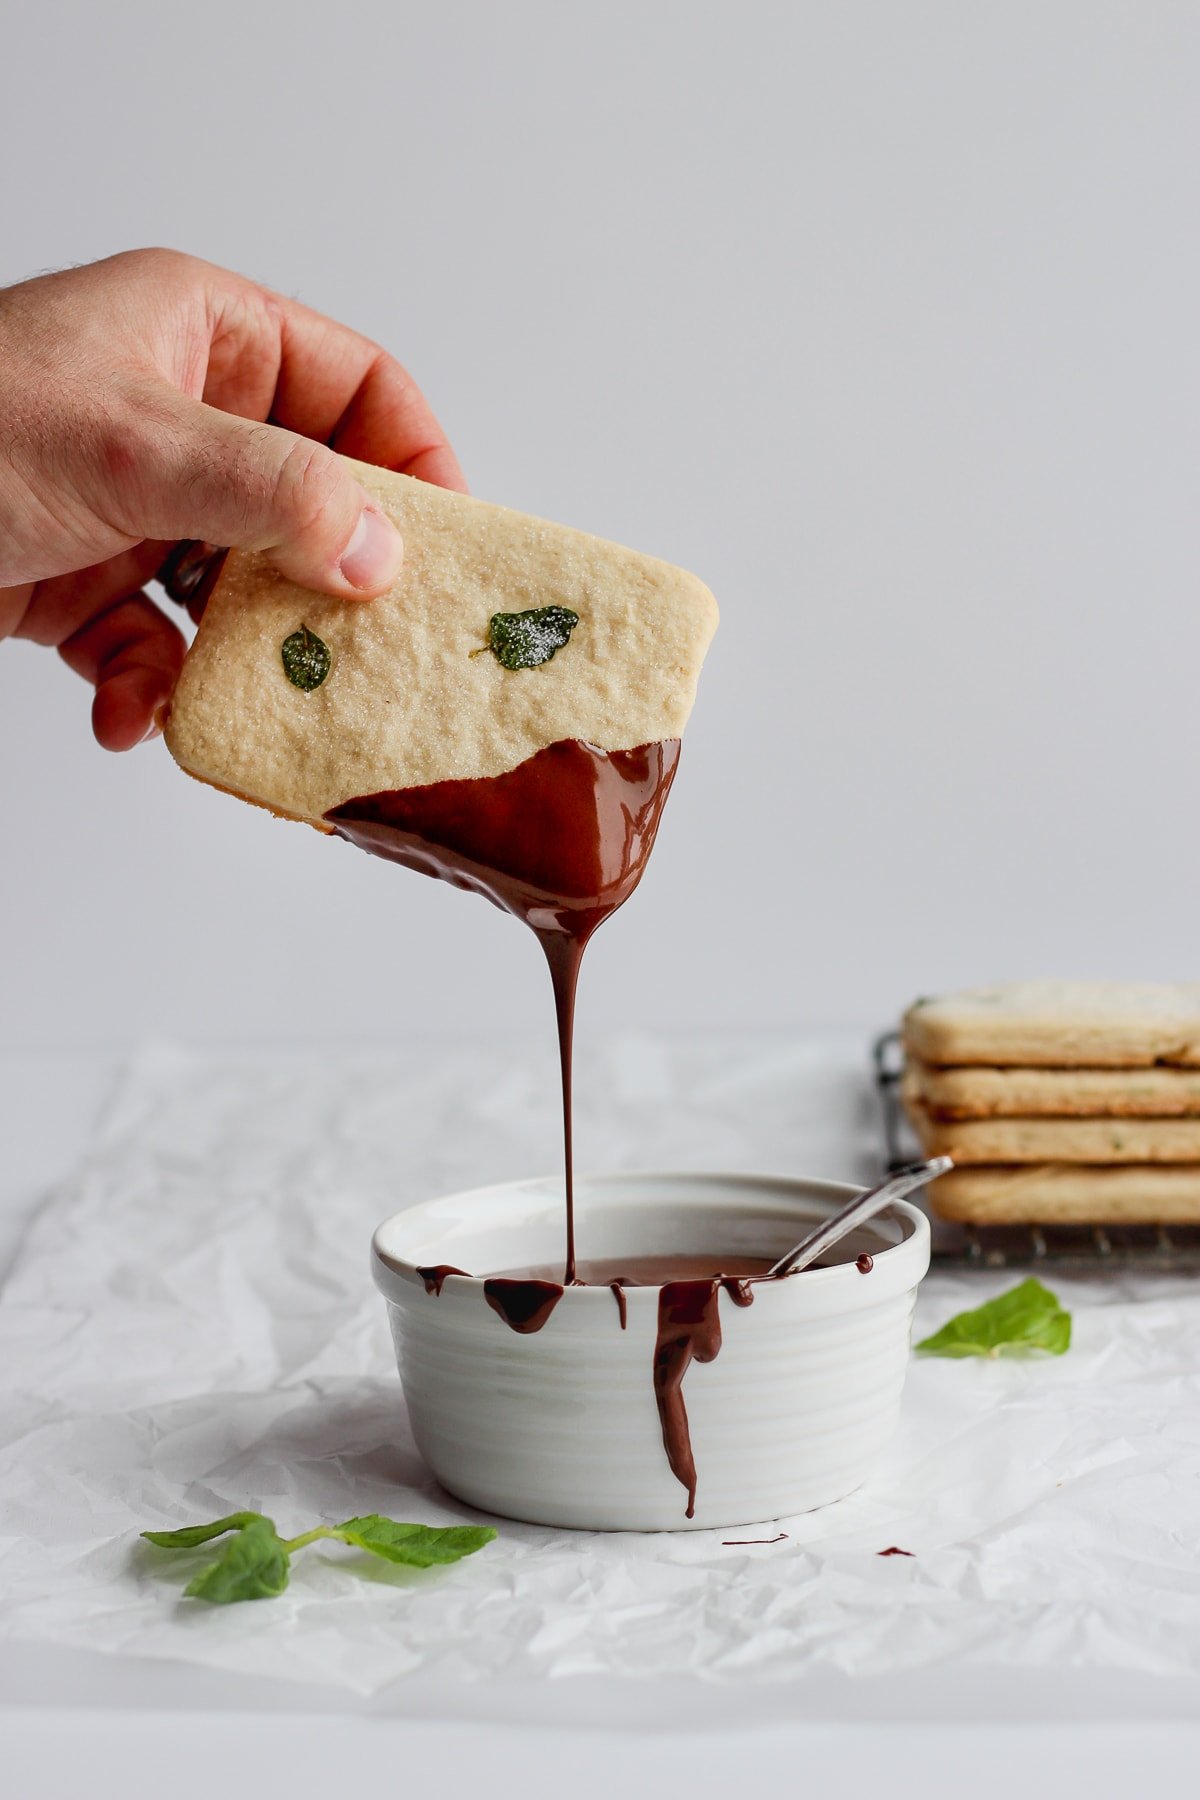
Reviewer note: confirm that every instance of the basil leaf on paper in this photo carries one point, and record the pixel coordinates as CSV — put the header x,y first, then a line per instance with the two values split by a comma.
x,y
419,1546
253,1566
1027,1318
188,1536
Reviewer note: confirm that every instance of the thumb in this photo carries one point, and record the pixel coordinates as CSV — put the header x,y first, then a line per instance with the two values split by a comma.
x,y
231,481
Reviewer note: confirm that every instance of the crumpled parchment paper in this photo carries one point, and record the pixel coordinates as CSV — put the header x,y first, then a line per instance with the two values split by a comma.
x,y
190,1328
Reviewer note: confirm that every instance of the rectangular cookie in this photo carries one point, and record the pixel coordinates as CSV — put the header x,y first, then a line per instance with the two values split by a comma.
x,y
409,689
1022,1093
1058,1140
1058,1194
1059,1024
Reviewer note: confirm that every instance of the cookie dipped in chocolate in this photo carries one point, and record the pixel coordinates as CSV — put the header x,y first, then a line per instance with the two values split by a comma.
x,y
560,842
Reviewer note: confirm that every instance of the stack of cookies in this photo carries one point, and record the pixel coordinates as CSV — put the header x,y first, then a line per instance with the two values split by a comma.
x,y
1061,1102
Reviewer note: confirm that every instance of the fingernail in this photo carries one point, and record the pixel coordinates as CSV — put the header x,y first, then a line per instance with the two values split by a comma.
x,y
372,558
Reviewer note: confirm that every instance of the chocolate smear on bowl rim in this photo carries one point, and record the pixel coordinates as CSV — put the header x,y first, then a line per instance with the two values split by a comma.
x,y
524,1306
434,1276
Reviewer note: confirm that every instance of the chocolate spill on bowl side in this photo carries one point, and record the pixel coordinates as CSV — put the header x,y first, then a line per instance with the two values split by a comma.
x,y
689,1330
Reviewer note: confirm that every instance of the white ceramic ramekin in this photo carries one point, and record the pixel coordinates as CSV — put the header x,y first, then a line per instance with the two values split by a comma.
x,y
561,1427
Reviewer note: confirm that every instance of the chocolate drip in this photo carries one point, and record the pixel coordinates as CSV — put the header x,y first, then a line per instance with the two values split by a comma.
x,y
689,1330
893,1550
618,1288
564,954
560,842
523,1305
434,1276
865,1264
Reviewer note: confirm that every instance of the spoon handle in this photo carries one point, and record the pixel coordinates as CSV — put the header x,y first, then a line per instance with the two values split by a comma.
x,y
857,1211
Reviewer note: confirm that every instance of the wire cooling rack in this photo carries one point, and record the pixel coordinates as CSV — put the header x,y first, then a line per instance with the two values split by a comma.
x,y
1069,1249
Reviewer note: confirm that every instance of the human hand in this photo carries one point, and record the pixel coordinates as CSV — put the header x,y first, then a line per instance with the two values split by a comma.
x,y
153,397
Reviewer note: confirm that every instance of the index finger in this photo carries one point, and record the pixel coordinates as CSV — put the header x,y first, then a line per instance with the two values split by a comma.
x,y
273,358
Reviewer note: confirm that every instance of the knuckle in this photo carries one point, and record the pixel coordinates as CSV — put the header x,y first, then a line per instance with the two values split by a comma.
x,y
122,445
136,438
232,488
154,260
308,485
271,308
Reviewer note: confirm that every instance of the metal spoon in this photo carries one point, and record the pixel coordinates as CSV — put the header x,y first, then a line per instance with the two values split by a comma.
x,y
861,1208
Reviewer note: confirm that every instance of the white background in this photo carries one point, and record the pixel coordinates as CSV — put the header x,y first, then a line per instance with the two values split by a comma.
x,y
883,318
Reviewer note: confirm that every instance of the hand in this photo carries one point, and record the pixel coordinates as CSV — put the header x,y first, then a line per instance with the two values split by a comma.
x,y
152,398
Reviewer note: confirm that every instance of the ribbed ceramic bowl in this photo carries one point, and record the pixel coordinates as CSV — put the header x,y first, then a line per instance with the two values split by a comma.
x,y
561,1427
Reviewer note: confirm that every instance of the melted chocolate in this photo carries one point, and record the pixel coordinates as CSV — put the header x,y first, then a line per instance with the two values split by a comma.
x,y
523,1305
650,1271
618,1289
560,841
434,1276
689,1330
894,1550
865,1264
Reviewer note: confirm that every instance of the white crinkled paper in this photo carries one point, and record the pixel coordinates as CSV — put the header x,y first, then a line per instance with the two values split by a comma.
x,y
190,1328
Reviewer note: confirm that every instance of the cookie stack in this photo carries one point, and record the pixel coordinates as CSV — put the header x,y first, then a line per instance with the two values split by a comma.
x,y
1061,1102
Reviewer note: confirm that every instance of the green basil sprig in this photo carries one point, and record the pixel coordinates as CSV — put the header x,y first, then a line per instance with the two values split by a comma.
x,y
255,1564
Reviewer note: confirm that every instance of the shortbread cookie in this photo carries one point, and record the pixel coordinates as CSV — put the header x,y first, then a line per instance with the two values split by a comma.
x,y
974,1093
1054,1194
1060,1024
411,688
1058,1140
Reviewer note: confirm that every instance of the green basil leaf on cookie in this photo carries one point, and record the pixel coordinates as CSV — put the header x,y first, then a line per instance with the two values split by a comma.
x,y
525,640
306,659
